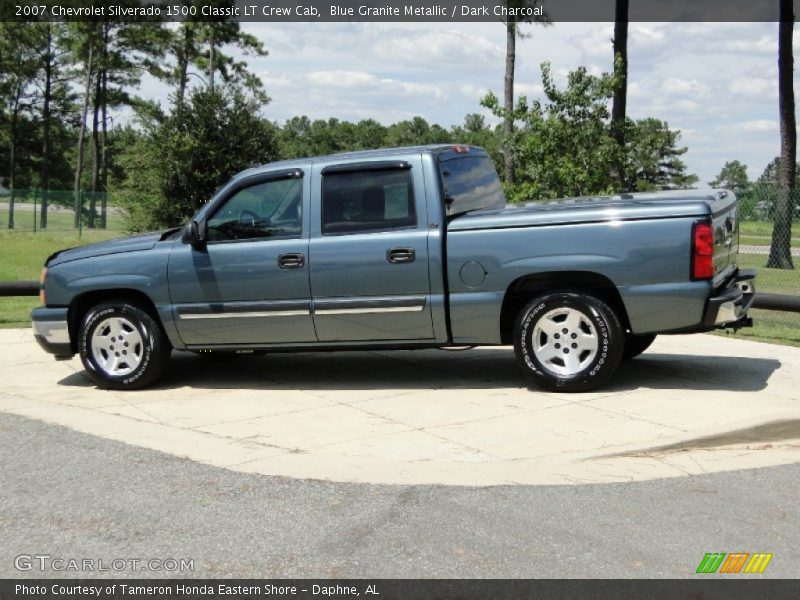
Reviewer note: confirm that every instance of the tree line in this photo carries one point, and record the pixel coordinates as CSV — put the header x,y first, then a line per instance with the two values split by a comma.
x,y
61,85
778,180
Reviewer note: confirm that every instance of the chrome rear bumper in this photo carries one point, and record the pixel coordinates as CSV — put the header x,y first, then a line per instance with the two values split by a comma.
x,y
728,307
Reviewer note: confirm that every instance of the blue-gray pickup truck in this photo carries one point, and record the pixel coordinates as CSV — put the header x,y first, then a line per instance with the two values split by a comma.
x,y
400,249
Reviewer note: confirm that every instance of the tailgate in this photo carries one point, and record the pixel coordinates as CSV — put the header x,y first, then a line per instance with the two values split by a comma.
x,y
725,223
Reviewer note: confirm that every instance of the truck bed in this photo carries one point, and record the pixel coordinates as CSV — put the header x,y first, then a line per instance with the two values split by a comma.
x,y
718,205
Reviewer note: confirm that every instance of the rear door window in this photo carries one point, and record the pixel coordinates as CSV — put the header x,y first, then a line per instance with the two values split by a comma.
x,y
367,201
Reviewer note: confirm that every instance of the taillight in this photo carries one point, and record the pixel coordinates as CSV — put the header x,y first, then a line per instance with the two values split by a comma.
x,y
702,251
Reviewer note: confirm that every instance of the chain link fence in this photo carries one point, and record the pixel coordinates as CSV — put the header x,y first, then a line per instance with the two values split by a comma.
x,y
21,212
757,208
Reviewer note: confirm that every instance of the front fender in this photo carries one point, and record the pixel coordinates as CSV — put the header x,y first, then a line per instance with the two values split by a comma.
x,y
145,272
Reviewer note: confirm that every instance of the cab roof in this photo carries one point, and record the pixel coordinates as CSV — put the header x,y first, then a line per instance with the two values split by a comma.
x,y
358,155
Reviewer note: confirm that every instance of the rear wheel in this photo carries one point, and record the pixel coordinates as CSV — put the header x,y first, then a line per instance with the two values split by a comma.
x,y
568,342
122,347
636,344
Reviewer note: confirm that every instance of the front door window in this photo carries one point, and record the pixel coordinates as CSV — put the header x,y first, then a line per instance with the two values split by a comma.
x,y
271,209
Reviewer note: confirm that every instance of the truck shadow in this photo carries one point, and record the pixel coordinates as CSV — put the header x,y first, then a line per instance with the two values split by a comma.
x,y
682,372
481,368
763,433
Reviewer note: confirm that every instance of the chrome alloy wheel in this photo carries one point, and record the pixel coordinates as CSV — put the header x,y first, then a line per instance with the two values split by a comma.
x,y
117,346
565,341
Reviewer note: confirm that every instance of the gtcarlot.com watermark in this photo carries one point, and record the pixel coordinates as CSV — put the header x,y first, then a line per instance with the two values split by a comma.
x,y
46,562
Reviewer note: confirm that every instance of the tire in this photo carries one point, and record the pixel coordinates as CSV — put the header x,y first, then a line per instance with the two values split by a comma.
x,y
636,344
595,338
137,362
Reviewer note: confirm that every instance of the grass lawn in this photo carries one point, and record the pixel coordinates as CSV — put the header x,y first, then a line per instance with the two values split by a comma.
x,y
779,281
22,255
747,240
759,233
764,228
770,326
16,312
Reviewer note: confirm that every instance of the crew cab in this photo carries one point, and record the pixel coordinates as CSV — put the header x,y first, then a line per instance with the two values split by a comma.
x,y
402,249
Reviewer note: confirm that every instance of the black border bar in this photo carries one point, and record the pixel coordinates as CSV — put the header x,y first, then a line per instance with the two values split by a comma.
x,y
700,588
389,10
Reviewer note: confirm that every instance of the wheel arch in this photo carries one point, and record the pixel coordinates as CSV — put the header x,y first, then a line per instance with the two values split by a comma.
x,y
83,302
523,289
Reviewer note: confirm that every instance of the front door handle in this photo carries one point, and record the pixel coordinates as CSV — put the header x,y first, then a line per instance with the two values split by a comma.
x,y
291,261
401,255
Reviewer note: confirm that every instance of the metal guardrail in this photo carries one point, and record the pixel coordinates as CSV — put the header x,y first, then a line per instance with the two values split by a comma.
x,y
19,288
764,301
781,302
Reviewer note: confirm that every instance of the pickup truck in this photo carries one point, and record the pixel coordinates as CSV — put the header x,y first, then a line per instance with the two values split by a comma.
x,y
403,248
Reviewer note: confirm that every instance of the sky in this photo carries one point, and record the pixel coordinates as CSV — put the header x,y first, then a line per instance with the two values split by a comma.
x,y
715,82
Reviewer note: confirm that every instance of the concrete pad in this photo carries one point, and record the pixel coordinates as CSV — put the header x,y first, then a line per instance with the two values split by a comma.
x,y
690,405
409,447
562,430
216,408
308,429
678,410
438,408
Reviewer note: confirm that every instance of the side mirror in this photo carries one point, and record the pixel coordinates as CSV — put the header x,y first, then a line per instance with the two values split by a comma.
x,y
193,236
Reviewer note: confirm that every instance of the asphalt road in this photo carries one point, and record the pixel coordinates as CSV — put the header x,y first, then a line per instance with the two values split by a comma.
x,y
74,495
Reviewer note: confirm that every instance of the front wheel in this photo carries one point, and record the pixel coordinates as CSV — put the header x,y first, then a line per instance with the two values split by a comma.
x,y
122,347
568,342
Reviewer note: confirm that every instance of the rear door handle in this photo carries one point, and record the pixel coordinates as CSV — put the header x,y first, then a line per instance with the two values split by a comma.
x,y
401,255
291,261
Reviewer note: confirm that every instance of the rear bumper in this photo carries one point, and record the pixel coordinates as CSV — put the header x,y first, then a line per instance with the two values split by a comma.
x,y
51,330
728,307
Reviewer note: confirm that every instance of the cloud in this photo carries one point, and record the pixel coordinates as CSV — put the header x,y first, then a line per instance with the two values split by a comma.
x,y
341,79
754,87
352,95
714,81
274,81
369,84
434,50
647,35
531,90
594,43
646,41
765,45
671,98
652,44
473,91
757,126
676,86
